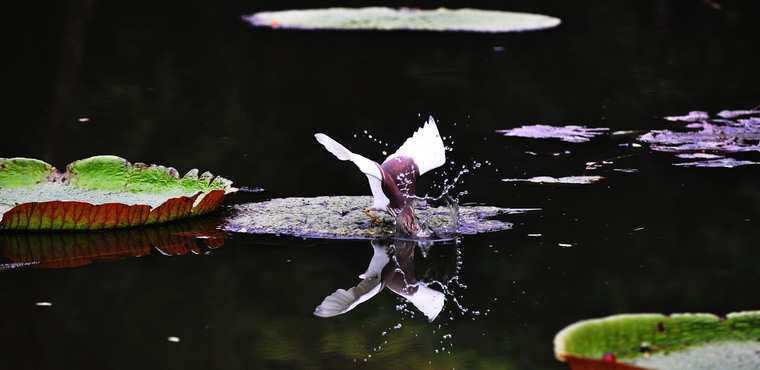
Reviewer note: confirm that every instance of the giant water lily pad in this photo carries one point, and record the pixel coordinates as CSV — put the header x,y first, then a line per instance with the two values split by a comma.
x,y
101,192
685,341
343,217
379,18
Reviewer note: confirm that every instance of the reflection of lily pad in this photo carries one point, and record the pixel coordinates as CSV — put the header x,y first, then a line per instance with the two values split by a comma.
x,y
378,18
685,341
101,192
60,250
343,217
559,180
573,134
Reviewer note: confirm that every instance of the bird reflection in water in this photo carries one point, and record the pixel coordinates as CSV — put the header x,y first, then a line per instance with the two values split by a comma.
x,y
402,266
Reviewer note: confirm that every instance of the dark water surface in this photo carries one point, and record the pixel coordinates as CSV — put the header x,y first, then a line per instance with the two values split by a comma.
x,y
192,86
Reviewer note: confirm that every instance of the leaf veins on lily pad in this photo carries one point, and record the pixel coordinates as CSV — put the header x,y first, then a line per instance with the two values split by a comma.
x,y
380,18
559,180
102,192
342,217
572,133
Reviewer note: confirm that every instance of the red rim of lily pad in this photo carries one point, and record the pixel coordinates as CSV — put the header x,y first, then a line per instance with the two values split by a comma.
x,y
102,192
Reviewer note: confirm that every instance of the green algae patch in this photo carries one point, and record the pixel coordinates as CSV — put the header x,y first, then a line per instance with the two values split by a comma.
x,y
343,217
656,340
101,192
381,18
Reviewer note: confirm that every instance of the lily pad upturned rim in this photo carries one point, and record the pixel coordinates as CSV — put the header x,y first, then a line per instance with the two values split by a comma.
x,y
99,190
631,336
403,19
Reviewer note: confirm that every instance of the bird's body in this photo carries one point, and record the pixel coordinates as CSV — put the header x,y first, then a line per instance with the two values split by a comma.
x,y
393,182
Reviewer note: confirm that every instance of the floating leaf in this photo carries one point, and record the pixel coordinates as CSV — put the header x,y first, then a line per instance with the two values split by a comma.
x,y
60,250
655,340
693,116
722,162
737,113
379,18
573,134
720,136
343,217
101,192
559,180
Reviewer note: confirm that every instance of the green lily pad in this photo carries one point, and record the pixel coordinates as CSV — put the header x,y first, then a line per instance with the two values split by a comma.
x,y
343,217
101,192
687,341
379,18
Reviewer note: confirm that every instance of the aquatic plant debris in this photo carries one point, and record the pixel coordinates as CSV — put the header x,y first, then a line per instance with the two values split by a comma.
x,y
411,19
559,180
686,341
572,133
102,192
726,134
343,217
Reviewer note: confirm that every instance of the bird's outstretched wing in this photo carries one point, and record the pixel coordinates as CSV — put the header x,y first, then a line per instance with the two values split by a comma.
x,y
428,300
425,147
368,166
343,300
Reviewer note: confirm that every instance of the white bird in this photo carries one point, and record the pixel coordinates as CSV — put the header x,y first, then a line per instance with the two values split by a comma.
x,y
392,183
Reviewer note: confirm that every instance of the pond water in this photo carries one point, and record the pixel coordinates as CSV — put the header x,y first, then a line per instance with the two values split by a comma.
x,y
194,86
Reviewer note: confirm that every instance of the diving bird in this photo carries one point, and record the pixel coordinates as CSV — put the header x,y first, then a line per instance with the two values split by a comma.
x,y
392,183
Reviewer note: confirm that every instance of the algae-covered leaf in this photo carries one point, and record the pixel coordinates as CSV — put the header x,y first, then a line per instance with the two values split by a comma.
x,y
344,217
101,192
571,133
380,18
685,341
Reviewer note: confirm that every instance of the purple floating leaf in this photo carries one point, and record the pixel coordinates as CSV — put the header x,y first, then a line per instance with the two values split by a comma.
x,y
736,113
559,180
699,156
693,116
572,133
739,136
722,162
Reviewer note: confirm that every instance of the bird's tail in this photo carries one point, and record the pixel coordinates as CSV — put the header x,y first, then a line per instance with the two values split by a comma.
x,y
334,147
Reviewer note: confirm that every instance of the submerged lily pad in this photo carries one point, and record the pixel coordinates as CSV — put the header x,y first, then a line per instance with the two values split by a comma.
x,y
379,18
343,217
572,133
685,341
559,180
101,192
